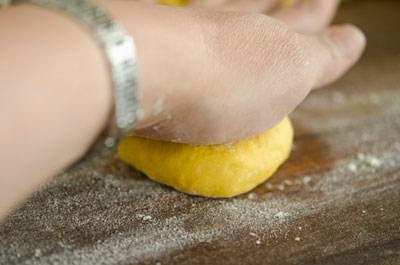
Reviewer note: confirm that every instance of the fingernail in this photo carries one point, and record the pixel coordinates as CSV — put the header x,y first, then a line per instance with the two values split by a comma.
x,y
350,40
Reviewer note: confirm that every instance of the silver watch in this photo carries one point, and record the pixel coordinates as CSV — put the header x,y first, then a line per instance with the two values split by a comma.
x,y
120,51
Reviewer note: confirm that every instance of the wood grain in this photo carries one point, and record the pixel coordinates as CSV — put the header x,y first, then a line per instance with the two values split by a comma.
x,y
336,201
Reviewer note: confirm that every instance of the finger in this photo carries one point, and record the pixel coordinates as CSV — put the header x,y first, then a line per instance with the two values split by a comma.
x,y
335,51
253,6
307,16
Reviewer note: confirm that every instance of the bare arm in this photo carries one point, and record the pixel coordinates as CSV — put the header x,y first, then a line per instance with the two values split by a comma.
x,y
55,97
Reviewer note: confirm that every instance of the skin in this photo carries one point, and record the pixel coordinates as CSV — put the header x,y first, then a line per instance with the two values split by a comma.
x,y
217,72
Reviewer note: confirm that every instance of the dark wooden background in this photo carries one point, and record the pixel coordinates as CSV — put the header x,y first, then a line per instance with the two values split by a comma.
x,y
336,201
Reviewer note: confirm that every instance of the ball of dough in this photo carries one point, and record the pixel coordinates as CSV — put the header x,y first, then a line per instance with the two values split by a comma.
x,y
214,171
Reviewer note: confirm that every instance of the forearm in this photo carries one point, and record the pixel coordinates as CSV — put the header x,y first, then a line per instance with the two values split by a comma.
x,y
55,97
55,89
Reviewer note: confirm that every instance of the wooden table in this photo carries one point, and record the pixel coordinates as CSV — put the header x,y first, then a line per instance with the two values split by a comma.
x,y
336,201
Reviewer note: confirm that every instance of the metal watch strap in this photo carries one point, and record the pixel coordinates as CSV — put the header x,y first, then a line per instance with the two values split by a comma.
x,y
119,49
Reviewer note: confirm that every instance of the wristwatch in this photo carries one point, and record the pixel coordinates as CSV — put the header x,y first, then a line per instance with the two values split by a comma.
x,y
118,47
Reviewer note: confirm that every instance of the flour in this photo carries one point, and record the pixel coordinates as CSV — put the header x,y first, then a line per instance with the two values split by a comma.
x,y
121,231
252,196
103,212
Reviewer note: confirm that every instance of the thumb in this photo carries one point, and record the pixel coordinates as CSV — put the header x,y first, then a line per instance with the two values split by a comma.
x,y
335,51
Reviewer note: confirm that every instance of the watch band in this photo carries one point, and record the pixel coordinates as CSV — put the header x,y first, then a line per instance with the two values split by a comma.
x,y
120,51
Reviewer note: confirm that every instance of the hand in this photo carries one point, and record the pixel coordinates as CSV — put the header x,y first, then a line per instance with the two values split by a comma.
x,y
211,77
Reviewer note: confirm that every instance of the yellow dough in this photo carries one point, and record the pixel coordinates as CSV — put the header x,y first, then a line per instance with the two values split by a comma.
x,y
184,2
212,171
173,2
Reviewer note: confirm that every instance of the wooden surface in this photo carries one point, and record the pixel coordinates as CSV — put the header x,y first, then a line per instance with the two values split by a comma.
x,y
336,201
